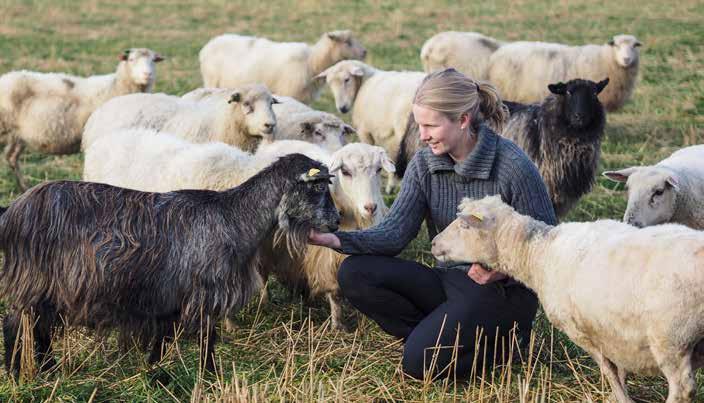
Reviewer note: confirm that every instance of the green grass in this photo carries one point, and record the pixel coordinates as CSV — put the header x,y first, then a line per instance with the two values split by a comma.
x,y
284,350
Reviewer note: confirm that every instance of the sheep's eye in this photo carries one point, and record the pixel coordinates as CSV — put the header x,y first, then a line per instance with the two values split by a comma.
x,y
318,133
345,172
378,170
247,105
658,192
347,80
320,187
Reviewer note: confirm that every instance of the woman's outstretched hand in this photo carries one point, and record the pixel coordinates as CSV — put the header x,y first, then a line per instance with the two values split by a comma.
x,y
323,239
482,276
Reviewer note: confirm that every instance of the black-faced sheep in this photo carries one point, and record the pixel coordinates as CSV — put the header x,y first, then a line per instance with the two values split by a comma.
x,y
145,263
562,136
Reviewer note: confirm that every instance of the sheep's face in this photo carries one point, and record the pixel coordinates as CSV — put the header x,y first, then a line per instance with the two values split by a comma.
x,y
327,133
309,203
471,237
255,104
344,80
581,101
652,194
141,64
345,46
357,185
625,48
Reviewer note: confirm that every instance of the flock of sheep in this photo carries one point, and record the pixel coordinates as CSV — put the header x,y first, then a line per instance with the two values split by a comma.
x,y
241,129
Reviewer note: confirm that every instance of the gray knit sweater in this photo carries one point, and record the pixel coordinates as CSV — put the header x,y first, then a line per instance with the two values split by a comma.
x,y
433,187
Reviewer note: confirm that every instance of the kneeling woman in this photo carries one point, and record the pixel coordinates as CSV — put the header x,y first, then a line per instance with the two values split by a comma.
x,y
432,308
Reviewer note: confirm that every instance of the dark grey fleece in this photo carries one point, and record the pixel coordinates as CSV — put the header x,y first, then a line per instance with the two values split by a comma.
x,y
433,187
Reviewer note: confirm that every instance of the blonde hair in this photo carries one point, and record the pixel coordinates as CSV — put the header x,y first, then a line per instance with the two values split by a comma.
x,y
453,94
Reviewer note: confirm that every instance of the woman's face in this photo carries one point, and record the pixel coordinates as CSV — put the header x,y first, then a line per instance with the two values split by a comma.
x,y
441,134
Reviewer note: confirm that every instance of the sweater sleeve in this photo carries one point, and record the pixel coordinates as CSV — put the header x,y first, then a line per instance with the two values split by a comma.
x,y
400,225
526,191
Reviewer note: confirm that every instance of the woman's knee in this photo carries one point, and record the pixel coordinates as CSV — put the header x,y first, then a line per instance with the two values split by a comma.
x,y
352,274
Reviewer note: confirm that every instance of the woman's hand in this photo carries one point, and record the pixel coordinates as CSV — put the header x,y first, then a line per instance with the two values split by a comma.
x,y
323,239
482,276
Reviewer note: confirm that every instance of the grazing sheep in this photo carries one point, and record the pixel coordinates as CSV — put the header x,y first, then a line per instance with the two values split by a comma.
x,y
630,297
562,136
287,68
123,158
670,191
382,101
522,70
240,117
468,52
143,263
46,111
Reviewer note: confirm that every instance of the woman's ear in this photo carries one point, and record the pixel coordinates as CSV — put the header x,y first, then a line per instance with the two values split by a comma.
x,y
464,121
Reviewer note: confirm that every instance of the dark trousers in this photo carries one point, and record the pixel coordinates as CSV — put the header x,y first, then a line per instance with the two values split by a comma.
x,y
434,309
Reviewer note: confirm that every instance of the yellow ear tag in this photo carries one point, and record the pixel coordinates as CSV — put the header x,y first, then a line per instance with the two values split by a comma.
x,y
313,171
477,216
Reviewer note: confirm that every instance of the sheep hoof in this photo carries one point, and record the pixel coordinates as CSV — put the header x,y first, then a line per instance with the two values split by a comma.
x,y
344,326
160,376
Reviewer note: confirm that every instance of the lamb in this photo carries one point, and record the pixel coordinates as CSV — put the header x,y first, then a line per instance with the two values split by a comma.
x,y
468,52
522,70
382,101
287,68
122,158
241,117
591,279
46,112
562,136
297,121
669,191
105,257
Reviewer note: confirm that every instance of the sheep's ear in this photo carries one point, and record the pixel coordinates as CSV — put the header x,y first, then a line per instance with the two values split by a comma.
x,y
348,130
621,175
558,88
472,220
158,58
339,36
236,97
306,127
601,84
335,164
611,42
672,182
324,75
275,101
314,175
386,162
357,71
125,55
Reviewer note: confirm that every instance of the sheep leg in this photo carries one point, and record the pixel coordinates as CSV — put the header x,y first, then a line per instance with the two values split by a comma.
x,y
677,368
207,347
611,371
13,149
43,332
336,316
10,328
165,336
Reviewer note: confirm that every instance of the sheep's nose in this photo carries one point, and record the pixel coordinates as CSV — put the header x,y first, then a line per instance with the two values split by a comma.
x,y
364,53
370,207
344,109
269,127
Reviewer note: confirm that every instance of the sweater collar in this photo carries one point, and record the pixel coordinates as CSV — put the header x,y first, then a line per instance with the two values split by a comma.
x,y
478,163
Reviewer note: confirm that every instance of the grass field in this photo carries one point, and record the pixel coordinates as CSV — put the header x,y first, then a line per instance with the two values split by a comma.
x,y
284,350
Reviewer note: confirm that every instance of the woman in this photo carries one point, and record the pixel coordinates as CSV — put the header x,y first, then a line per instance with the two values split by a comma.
x,y
434,308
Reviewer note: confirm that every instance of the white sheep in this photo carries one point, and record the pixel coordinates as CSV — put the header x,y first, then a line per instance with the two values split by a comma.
x,y
241,117
468,52
46,112
287,68
522,71
630,297
670,191
150,161
297,121
381,101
